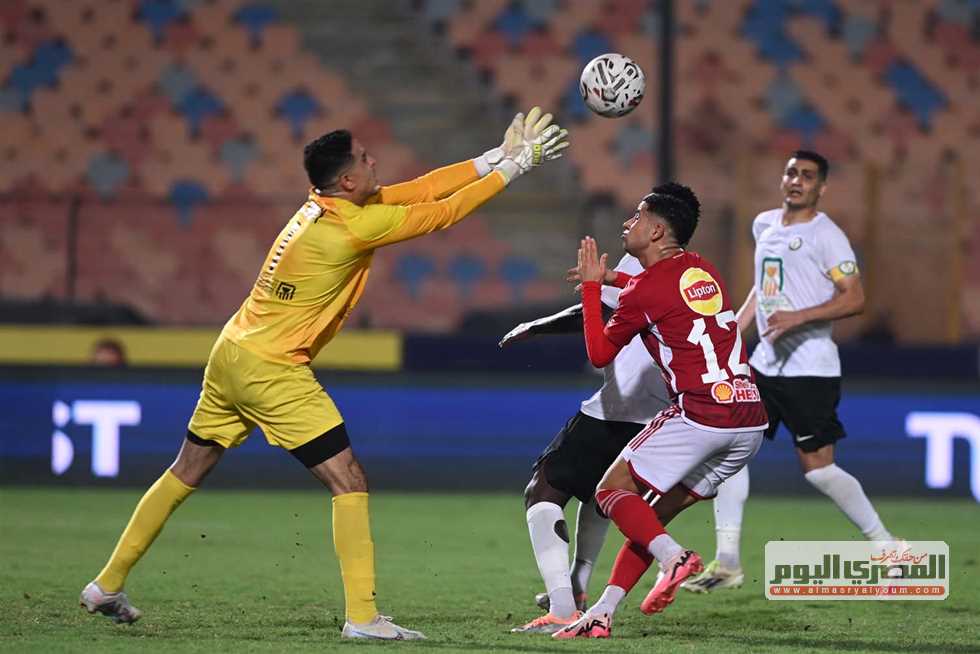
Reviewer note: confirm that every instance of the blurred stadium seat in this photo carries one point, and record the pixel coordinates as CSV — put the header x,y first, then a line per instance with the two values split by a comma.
x,y
199,108
181,115
888,85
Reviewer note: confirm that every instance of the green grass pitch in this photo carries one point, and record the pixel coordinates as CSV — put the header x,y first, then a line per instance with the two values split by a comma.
x,y
255,572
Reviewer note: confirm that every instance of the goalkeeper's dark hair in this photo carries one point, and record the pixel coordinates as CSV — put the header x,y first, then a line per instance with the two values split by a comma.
x,y
324,158
678,206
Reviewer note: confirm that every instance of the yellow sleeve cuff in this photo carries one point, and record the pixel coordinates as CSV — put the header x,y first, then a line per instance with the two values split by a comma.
x,y
842,270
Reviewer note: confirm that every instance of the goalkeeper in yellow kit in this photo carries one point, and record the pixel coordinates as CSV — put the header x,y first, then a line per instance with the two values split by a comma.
x,y
258,373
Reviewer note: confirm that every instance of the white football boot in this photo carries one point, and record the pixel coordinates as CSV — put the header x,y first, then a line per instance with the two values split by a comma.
x,y
111,605
381,628
715,577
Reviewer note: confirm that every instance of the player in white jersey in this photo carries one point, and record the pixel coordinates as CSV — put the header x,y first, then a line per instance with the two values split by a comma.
x,y
806,277
632,394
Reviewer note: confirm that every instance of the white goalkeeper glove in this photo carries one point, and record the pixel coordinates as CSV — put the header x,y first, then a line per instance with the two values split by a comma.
x,y
529,141
487,162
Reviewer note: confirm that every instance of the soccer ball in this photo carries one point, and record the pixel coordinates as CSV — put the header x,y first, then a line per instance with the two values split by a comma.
x,y
612,85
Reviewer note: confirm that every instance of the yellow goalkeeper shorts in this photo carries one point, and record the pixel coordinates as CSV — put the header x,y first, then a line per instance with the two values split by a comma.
x,y
242,390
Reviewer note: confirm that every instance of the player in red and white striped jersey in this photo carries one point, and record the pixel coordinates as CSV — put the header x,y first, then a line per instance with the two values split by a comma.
x,y
680,308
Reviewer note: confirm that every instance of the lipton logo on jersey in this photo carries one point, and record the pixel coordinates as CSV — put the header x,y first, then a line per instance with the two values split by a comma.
x,y
701,292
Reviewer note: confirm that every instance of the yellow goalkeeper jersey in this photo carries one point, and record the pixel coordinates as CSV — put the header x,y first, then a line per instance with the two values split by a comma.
x,y
318,266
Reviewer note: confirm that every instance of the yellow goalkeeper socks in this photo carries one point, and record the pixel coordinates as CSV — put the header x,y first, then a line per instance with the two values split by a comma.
x,y
148,519
352,542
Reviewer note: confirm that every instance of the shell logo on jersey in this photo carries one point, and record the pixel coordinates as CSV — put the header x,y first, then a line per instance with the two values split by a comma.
x,y
722,392
701,292
737,390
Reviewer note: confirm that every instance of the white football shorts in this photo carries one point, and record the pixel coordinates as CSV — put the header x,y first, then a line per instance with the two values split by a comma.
x,y
671,451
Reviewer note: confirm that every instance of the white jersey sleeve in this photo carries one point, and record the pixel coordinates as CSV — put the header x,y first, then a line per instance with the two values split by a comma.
x,y
633,388
835,251
629,265
762,222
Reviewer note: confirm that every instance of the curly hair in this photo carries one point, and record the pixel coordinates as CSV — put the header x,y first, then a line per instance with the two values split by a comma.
x,y
678,206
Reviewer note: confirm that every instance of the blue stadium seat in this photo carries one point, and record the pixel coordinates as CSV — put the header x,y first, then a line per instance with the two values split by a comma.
x,y
49,58
589,44
197,106
412,270
780,49
158,14
764,25
42,69
255,18
963,12
466,271
296,108
541,11
571,102
176,82
185,195
633,139
22,82
783,96
915,91
517,272
237,154
826,10
650,23
106,173
858,31
515,23
805,120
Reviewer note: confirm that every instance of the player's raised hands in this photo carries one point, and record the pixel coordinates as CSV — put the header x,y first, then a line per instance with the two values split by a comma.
x,y
591,267
572,277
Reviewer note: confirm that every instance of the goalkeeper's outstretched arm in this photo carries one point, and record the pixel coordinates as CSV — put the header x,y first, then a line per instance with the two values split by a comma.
x,y
529,141
435,185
